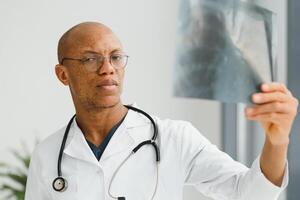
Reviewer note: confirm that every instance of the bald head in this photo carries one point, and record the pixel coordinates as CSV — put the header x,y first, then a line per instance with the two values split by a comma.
x,y
79,35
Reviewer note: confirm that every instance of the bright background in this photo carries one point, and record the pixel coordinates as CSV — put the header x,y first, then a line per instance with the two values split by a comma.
x,y
34,104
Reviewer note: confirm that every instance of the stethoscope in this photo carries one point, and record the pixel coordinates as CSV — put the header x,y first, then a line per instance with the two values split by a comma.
x,y
60,184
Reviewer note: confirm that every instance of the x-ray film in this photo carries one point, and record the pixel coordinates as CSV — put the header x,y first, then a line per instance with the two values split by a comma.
x,y
225,50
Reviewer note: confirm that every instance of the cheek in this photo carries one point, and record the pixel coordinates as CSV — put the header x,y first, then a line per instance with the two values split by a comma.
x,y
121,79
79,82
121,74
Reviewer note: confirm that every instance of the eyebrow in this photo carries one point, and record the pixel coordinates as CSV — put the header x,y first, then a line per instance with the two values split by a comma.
x,y
94,52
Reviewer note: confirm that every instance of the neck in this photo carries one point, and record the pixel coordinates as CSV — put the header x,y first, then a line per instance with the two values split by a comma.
x,y
96,124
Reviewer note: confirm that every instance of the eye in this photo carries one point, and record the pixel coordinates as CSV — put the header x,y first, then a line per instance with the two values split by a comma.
x,y
117,57
89,60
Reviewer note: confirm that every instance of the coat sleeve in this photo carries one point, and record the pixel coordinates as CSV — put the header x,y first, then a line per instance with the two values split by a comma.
x,y
217,175
35,188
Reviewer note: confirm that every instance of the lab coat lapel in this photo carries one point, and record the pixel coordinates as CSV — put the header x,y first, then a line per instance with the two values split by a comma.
x,y
123,140
77,147
120,142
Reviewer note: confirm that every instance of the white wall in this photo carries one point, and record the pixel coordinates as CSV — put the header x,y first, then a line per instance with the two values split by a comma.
x,y
34,104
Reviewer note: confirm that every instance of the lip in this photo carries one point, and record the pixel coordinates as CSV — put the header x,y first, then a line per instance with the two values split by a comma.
x,y
108,84
108,87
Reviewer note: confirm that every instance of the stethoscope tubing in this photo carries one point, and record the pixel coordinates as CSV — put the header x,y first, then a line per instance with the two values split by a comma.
x,y
63,184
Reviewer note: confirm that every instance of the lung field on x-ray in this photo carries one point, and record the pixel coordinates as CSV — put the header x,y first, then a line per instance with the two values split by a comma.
x,y
224,50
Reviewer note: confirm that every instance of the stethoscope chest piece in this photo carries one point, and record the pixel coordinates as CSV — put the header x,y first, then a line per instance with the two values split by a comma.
x,y
59,184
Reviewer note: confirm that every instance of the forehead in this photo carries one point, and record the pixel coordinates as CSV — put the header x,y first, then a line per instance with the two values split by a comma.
x,y
95,40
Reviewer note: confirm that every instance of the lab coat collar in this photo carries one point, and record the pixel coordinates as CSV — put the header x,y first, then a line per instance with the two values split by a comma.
x,y
77,146
122,140
135,119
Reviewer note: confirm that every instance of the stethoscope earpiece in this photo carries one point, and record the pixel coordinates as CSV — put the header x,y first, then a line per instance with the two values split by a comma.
x,y
59,184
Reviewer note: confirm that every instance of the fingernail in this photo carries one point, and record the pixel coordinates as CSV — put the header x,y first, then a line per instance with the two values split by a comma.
x,y
265,87
256,98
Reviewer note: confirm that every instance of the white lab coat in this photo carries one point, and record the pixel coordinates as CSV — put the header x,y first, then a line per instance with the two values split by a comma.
x,y
187,158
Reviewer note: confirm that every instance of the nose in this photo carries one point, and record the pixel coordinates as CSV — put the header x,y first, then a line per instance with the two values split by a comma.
x,y
106,67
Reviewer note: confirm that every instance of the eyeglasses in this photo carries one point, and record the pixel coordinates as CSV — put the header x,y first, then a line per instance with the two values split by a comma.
x,y
93,63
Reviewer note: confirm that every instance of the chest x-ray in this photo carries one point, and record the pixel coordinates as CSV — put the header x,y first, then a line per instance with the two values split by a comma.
x,y
225,50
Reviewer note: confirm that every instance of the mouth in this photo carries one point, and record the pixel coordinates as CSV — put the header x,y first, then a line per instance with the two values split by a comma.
x,y
108,85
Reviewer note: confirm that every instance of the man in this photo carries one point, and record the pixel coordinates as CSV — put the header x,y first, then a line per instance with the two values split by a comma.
x,y
97,160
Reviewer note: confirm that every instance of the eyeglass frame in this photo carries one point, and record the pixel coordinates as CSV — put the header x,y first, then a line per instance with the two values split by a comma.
x,y
83,60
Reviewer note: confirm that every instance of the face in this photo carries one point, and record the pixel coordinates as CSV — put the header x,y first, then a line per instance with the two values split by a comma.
x,y
93,89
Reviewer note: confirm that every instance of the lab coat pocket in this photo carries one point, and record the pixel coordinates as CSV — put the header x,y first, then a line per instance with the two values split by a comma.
x,y
70,193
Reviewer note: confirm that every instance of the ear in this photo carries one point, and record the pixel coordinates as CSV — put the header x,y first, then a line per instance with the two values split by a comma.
x,y
62,74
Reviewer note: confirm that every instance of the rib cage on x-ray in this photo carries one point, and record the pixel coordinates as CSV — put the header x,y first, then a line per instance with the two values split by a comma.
x,y
225,50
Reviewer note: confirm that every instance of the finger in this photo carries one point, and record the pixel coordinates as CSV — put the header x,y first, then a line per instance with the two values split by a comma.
x,y
261,98
273,86
276,107
268,117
